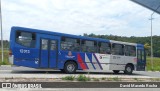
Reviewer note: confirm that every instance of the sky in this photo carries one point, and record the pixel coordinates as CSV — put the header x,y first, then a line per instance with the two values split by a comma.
x,y
105,17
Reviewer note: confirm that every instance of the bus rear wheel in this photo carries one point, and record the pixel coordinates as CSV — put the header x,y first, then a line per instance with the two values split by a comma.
x,y
116,71
70,67
128,69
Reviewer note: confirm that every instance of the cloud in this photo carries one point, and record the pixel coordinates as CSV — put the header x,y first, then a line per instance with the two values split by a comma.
x,y
117,17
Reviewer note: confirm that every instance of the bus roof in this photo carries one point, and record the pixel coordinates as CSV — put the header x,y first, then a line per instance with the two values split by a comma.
x,y
15,28
120,42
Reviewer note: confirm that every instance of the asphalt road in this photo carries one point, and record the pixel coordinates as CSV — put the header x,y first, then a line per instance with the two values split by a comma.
x,y
5,70
30,72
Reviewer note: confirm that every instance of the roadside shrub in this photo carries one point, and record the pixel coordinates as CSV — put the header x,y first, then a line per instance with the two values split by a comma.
x,y
103,78
4,63
83,78
95,79
71,78
116,79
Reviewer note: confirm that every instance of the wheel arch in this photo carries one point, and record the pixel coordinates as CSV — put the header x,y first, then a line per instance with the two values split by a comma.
x,y
131,65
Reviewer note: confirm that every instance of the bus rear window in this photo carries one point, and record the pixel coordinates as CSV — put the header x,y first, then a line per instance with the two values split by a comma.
x,y
26,39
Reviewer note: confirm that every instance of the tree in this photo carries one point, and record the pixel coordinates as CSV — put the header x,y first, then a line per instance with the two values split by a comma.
x,y
147,48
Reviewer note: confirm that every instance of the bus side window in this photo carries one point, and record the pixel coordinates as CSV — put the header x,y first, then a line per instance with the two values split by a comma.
x,y
130,50
104,48
89,46
139,54
76,46
53,45
143,57
70,44
44,44
26,39
117,49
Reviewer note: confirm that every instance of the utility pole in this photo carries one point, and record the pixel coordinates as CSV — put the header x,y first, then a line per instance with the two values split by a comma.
x,y
1,30
151,37
151,42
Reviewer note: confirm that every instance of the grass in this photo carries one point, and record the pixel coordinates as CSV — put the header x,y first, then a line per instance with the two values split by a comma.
x,y
96,79
71,78
83,78
103,78
78,78
155,79
116,79
137,79
6,57
156,64
109,79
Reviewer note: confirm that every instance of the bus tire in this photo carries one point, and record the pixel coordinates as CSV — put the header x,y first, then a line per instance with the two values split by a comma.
x,y
62,70
116,71
70,67
128,69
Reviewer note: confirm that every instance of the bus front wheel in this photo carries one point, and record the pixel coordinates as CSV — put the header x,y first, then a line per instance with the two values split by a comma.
x,y
70,67
128,69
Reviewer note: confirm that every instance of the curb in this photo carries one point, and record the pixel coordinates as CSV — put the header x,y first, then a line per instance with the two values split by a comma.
x,y
152,71
6,65
156,71
19,79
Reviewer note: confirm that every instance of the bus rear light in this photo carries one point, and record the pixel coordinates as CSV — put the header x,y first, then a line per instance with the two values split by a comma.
x,y
10,52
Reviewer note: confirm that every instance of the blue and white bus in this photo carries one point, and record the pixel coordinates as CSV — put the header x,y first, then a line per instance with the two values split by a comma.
x,y
52,50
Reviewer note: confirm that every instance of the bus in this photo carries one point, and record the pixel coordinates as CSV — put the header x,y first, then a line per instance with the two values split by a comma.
x,y
66,52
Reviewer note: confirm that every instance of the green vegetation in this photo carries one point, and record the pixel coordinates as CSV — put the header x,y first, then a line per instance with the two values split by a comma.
x,y
155,79
5,44
156,64
71,78
116,79
137,79
109,79
96,79
5,51
78,78
83,78
6,56
103,78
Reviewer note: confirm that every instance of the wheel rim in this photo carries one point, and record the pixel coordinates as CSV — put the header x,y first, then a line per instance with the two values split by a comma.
x,y
129,69
70,67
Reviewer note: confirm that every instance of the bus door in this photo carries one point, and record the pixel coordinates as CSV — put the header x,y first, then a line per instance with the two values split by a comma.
x,y
48,52
141,60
